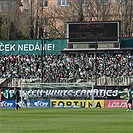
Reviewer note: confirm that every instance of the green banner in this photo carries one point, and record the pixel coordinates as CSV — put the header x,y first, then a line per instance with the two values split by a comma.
x,y
68,92
127,43
37,47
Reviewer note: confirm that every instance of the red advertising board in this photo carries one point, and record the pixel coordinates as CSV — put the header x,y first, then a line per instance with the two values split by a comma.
x,y
115,104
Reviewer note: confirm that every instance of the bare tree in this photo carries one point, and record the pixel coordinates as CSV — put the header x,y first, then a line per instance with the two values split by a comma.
x,y
32,16
77,10
0,26
9,21
12,24
37,21
127,18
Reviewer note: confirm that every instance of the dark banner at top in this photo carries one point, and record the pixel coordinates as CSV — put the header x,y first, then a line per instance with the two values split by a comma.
x,y
93,31
73,92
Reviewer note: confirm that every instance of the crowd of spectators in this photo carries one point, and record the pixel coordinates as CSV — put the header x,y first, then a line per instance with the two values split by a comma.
x,y
65,66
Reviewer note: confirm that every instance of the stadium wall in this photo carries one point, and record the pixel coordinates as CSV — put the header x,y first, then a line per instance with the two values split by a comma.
x,y
66,104
104,98
63,93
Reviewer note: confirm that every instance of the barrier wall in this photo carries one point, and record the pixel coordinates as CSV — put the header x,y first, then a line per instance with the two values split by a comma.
x,y
65,92
30,103
111,97
66,103
77,103
115,104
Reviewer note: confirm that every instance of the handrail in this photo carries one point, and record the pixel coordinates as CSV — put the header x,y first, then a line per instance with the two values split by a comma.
x,y
101,81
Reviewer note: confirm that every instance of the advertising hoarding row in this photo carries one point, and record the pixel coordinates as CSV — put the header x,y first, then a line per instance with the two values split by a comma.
x,y
66,103
30,103
65,92
76,96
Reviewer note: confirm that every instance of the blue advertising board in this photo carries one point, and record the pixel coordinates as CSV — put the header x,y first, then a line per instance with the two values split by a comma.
x,y
30,103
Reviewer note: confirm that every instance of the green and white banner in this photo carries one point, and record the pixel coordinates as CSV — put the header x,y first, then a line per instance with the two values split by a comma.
x,y
69,92
37,47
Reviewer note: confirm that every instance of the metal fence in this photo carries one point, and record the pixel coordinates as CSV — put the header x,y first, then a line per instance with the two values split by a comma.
x,y
101,81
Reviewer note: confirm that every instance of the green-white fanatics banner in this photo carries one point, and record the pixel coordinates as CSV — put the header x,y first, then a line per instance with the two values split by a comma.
x,y
37,47
69,92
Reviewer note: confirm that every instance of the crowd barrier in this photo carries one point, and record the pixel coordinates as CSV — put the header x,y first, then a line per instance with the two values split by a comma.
x,y
107,81
74,96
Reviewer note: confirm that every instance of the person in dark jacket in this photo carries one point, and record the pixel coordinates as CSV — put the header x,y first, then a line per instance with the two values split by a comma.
x,y
17,97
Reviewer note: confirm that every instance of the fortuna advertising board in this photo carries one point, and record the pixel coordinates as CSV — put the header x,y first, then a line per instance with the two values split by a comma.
x,y
77,103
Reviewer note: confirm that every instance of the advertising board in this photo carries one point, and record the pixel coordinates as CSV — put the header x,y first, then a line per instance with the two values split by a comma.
x,y
78,103
71,92
115,104
30,103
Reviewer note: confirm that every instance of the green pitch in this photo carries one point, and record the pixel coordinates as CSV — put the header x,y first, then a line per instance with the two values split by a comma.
x,y
59,120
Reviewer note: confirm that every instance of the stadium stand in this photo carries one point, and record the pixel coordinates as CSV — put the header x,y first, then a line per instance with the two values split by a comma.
x,y
106,69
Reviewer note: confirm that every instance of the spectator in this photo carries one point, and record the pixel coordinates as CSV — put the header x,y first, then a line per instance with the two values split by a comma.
x,y
52,68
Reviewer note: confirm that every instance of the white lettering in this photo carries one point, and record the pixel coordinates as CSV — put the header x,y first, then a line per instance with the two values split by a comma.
x,y
53,46
49,46
31,47
115,93
1,47
96,92
70,92
45,47
41,104
25,47
20,47
83,93
6,104
101,92
7,47
49,92
109,92
78,93
12,47
117,105
37,47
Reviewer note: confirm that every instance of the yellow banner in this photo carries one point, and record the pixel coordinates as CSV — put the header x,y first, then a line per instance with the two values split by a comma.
x,y
81,103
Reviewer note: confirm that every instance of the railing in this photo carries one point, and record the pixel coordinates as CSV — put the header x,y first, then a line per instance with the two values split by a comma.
x,y
3,82
101,81
119,80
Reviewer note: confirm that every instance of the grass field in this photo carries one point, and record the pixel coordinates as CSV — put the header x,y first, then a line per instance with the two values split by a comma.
x,y
59,120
